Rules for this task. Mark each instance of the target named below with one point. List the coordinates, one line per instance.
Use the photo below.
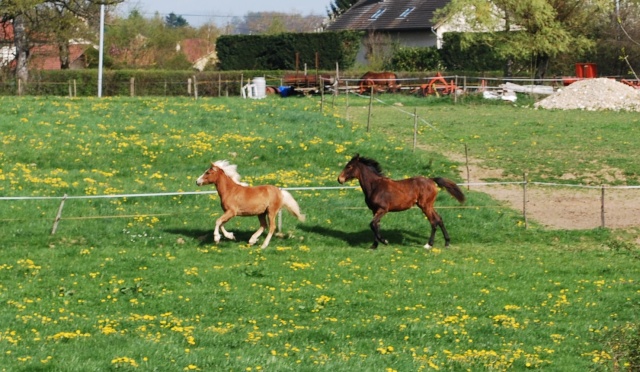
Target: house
(405, 22)
(41, 56)
(7, 49)
(47, 56)
(199, 52)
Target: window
(378, 13)
(406, 12)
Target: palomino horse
(238, 199)
(380, 81)
(383, 195)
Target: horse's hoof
(427, 246)
(385, 242)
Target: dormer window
(406, 12)
(378, 13)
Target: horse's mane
(230, 170)
(372, 164)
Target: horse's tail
(451, 187)
(290, 204)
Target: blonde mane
(230, 170)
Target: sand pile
(593, 95)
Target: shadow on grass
(206, 236)
(365, 237)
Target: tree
(175, 21)
(276, 22)
(535, 30)
(338, 7)
(44, 19)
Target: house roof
(6, 32)
(195, 49)
(388, 15)
(47, 57)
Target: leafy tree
(138, 42)
(43, 19)
(338, 7)
(175, 21)
(547, 28)
(275, 22)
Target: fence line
(523, 183)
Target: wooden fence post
(132, 87)
(195, 87)
(189, 86)
(524, 200)
(58, 215)
(346, 92)
(370, 108)
(466, 163)
(602, 207)
(415, 128)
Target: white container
(260, 86)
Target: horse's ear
(356, 156)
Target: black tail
(451, 187)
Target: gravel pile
(594, 95)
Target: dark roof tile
(360, 15)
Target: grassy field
(136, 283)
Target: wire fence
(225, 85)
(590, 207)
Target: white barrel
(260, 87)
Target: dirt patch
(559, 207)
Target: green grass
(549, 145)
(137, 283)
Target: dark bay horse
(239, 199)
(380, 81)
(384, 195)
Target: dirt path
(560, 208)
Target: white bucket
(260, 88)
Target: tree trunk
(542, 63)
(508, 72)
(22, 52)
(63, 48)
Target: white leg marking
(427, 246)
(255, 236)
(227, 234)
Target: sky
(198, 12)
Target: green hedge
(278, 52)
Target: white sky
(198, 12)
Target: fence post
(132, 87)
(524, 200)
(370, 108)
(195, 87)
(189, 86)
(75, 88)
(58, 215)
(466, 163)
(455, 91)
(70, 91)
(219, 85)
(346, 93)
(415, 128)
(602, 207)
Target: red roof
(195, 49)
(47, 57)
(6, 32)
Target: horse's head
(209, 176)
(350, 171)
